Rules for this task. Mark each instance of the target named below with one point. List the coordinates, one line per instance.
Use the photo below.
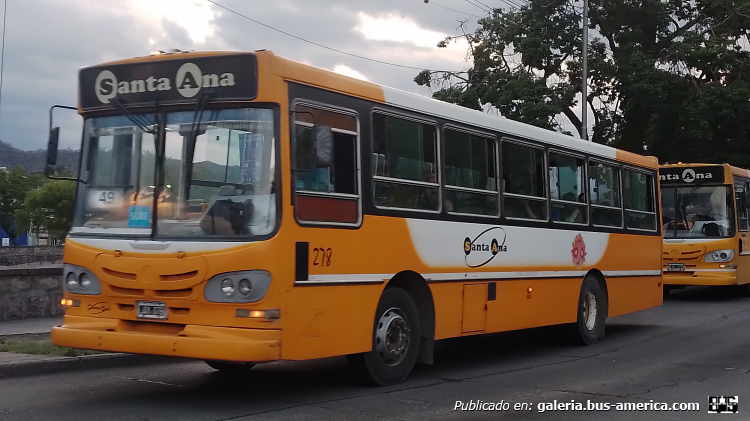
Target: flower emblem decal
(579, 251)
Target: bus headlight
(227, 287)
(719, 256)
(71, 279)
(247, 286)
(79, 280)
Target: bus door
(743, 259)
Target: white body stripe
(479, 119)
(472, 276)
(441, 244)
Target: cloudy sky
(47, 41)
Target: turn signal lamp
(66, 302)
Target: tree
(50, 207)
(668, 77)
(14, 185)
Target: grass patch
(41, 347)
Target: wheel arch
(596, 273)
(416, 286)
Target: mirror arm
(66, 107)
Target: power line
(488, 7)
(477, 6)
(453, 10)
(2, 51)
(321, 45)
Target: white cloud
(195, 16)
(345, 70)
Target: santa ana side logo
(484, 247)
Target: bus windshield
(217, 175)
(697, 212)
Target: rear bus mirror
(313, 148)
(323, 145)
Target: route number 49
(107, 197)
(322, 257)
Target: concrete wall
(21, 255)
(28, 292)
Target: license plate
(675, 266)
(152, 310)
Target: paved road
(696, 345)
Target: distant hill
(33, 161)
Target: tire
(229, 366)
(743, 290)
(666, 289)
(395, 341)
(592, 313)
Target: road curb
(85, 362)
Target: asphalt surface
(696, 345)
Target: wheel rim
(589, 311)
(392, 336)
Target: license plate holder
(153, 310)
(675, 266)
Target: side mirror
(52, 144)
(54, 138)
(323, 145)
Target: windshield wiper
(192, 136)
(139, 121)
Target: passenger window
(327, 194)
(470, 180)
(404, 164)
(638, 198)
(567, 186)
(524, 195)
(604, 187)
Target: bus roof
(307, 74)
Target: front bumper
(189, 341)
(709, 277)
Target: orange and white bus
(241, 208)
(704, 217)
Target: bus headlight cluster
(79, 280)
(719, 256)
(238, 287)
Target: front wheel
(743, 290)
(395, 340)
(592, 313)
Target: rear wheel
(592, 313)
(230, 366)
(395, 340)
(666, 289)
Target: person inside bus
(516, 207)
(226, 217)
(430, 197)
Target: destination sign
(692, 175)
(180, 80)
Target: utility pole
(585, 72)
